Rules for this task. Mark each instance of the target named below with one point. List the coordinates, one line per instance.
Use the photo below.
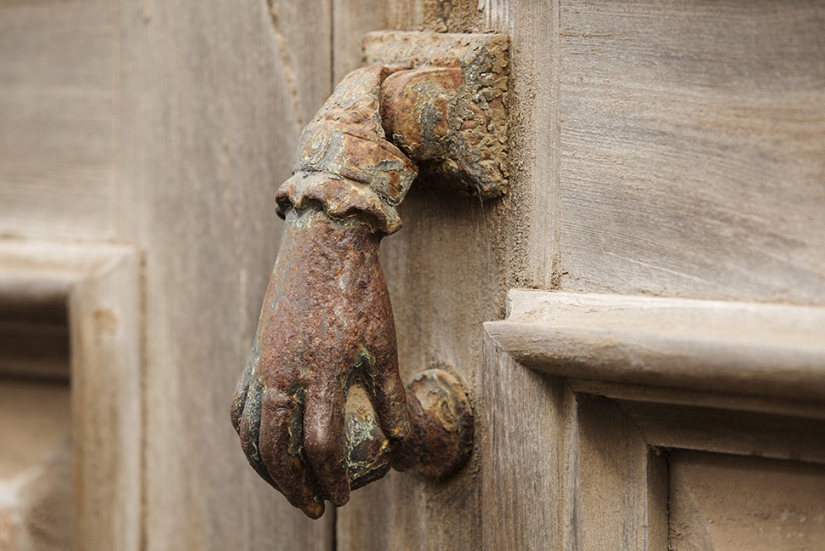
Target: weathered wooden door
(658, 149)
(669, 149)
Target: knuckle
(279, 402)
(321, 448)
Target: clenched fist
(326, 323)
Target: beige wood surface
(449, 268)
(798, 436)
(739, 347)
(58, 98)
(170, 126)
(527, 494)
(692, 152)
(620, 484)
(666, 148)
(87, 488)
(104, 323)
(754, 504)
(208, 110)
(450, 239)
(627, 481)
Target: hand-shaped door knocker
(321, 408)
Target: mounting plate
(476, 154)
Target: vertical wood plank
(209, 125)
(621, 486)
(104, 321)
(535, 127)
(522, 482)
(487, 249)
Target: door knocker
(321, 409)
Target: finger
(324, 440)
(249, 428)
(241, 391)
(281, 445)
(390, 400)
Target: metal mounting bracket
(450, 116)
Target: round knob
(442, 421)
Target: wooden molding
(769, 350)
(586, 399)
(101, 286)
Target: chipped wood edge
(101, 284)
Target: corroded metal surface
(345, 164)
(446, 420)
(367, 449)
(472, 156)
(320, 408)
(326, 324)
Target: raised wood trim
(772, 350)
(101, 285)
(585, 396)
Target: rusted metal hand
(326, 323)
(326, 326)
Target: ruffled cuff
(339, 197)
(344, 162)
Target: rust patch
(446, 419)
(472, 156)
(326, 323)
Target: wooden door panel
(70, 460)
(731, 503)
(648, 456)
(620, 499)
(692, 157)
(58, 102)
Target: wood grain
(693, 157)
(58, 147)
(758, 434)
(736, 347)
(523, 473)
(734, 503)
(106, 405)
(208, 112)
(448, 271)
(620, 484)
